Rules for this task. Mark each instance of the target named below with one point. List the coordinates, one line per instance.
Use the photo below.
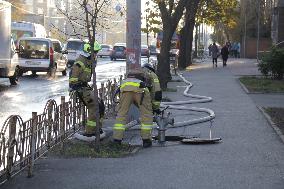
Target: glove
(157, 111)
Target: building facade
(277, 33)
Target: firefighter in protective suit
(79, 77)
(137, 89)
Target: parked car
(118, 51)
(153, 50)
(74, 48)
(105, 51)
(41, 55)
(145, 51)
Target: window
(34, 49)
(57, 47)
(74, 45)
(40, 10)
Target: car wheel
(34, 73)
(52, 71)
(14, 79)
(64, 72)
(20, 73)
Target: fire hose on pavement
(165, 122)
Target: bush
(272, 63)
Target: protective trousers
(88, 97)
(145, 107)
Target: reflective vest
(131, 84)
(82, 73)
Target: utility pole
(133, 35)
(258, 23)
(147, 28)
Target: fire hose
(165, 122)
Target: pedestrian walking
(225, 54)
(141, 88)
(215, 54)
(80, 75)
(209, 49)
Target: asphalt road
(32, 92)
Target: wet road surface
(32, 92)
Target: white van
(8, 57)
(41, 55)
(74, 48)
(27, 29)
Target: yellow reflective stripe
(88, 70)
(130, 83)
(119, 128)
(80, 63)
(156, 81)
(73, 79)
(156, 102)
(91, 123)
(146, 126)
(118, 125)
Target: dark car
(153, 50)
(145, 51)
(118, 52)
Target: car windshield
(16, 34)
(144, 47)
(117, 48)
(34, 49)
(75, 45)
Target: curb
(243, 86)
(271, 123)
(248, 92)
(136, 150)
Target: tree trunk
(186, 36)
(185, 55)
(170, 19)
(189, 42)
(195, 41)
(163, 70)
(182, 49)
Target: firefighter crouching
(137, 89)
(79, 77)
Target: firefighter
(154, 88)
(137, 89)
(79, 77)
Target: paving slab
(250, 155)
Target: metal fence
(23, 142)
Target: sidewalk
(250, 156)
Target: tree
(85, 19)
(17, 10)
(186, 35)
(223, 15)
(168, 13)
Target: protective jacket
(134, 91)
(80, 74)
(154, 88)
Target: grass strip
(266, 85)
